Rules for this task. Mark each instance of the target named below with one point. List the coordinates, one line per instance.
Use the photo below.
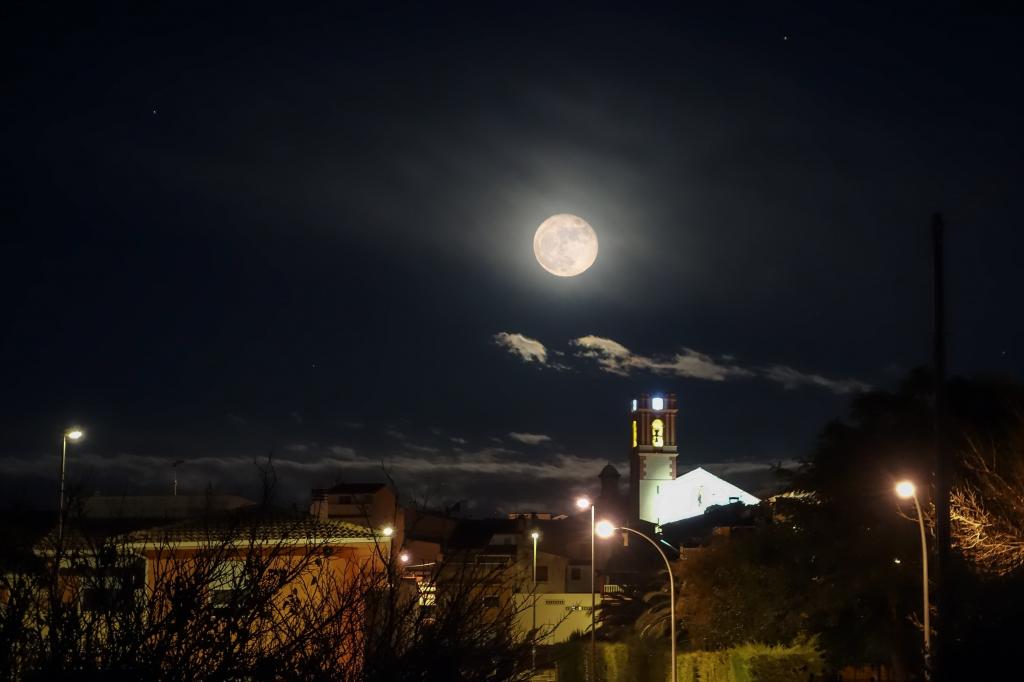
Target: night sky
(230, 232)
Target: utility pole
(943, 463)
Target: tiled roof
(242, 527)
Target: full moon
(565, 245)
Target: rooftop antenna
(174, 467)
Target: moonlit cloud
(530, 438)
(686, 363)
(529, 350)
(615, 358)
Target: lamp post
(74, 435)
(583, 503)
(389, 533)
(535, 535)
(533, 650)
(907, 490)
(605, 529)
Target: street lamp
(534, 535)
(907, 490)
(388, 532)
(605, 529)
(74, 435)
(583, 503)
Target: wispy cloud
(792, 378)
(687, 363)
(530, 438)
(528, 350)
(615, 358)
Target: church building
(657, 493)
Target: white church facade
(657, 493)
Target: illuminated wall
(692, 493)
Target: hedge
(645, 660)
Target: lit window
(657, 433)
(428, 594)
(634, 433)
(634, 404)
(657, 403)
(228, 581)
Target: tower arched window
(634, 433)
(657, 433)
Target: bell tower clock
(652, 462)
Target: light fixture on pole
(388, 532)
(583, 503)
(605, 529)
(534, 535)
(907, 490)
(74, 435)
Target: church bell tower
(652, 462)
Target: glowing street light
(907, 490)
(581, 504)
(74, 435)
(404, 557)
(387, 531)
(534, 535)
(605, 529)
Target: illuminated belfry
(652, 463)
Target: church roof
(609, 472)
(694, 492)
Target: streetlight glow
(604, 529)
(388, 531)
(404, 557)
(535, 535)
(905, 489)
(73, 434)
(582, 502)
